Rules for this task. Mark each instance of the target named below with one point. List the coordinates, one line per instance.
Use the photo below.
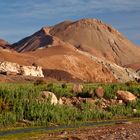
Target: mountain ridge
(86, 50)
(90, 35)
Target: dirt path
(129, 131)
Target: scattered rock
(134, 110)
(90, 93)
(120, 101)
(47, 95)
(115, 98)
(66, 101)
(27, 122)
(126, 96)
(90, 100)
(99, 92)
(77, 88)
(60, 101)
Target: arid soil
(130, 131)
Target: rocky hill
(90, 35)
(86, 50)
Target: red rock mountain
(90, 35)
(77, 51)
(62, 62)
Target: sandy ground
(130, 131)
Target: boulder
(60, 102)
(120, 101)
(134, 110)
(90, 100)
(49, 95)
(99, 92)
(126, 96)
(77, 88)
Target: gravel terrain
(129, 131)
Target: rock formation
(126, 96)
(10, 68)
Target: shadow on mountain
(60, 75)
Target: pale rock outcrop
(60, 101)
(49, 95)
(9, 67)
(31, 71)
(16, 69)
(126, 96)
(121, 74)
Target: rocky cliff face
(121, 74)
(9, 68)
(31, 71)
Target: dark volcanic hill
(90, 35)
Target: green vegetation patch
(20, 104)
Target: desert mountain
(99, 39)
(84, 50)
(90, 35)
(62, 62)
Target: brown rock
(99, 92)
(77, 88)
(126, 96)
(134, 110)
(90, 93)
(60, 101)
(120, 101)
(90, 100)
(66, 101)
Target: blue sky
(20, 18)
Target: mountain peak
(90, 35)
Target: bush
(39, 82)
(50, 87)
(131, 83)
(64, 85)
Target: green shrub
(39, 82)
(50, 87)
(64, 85)
(131, 83)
